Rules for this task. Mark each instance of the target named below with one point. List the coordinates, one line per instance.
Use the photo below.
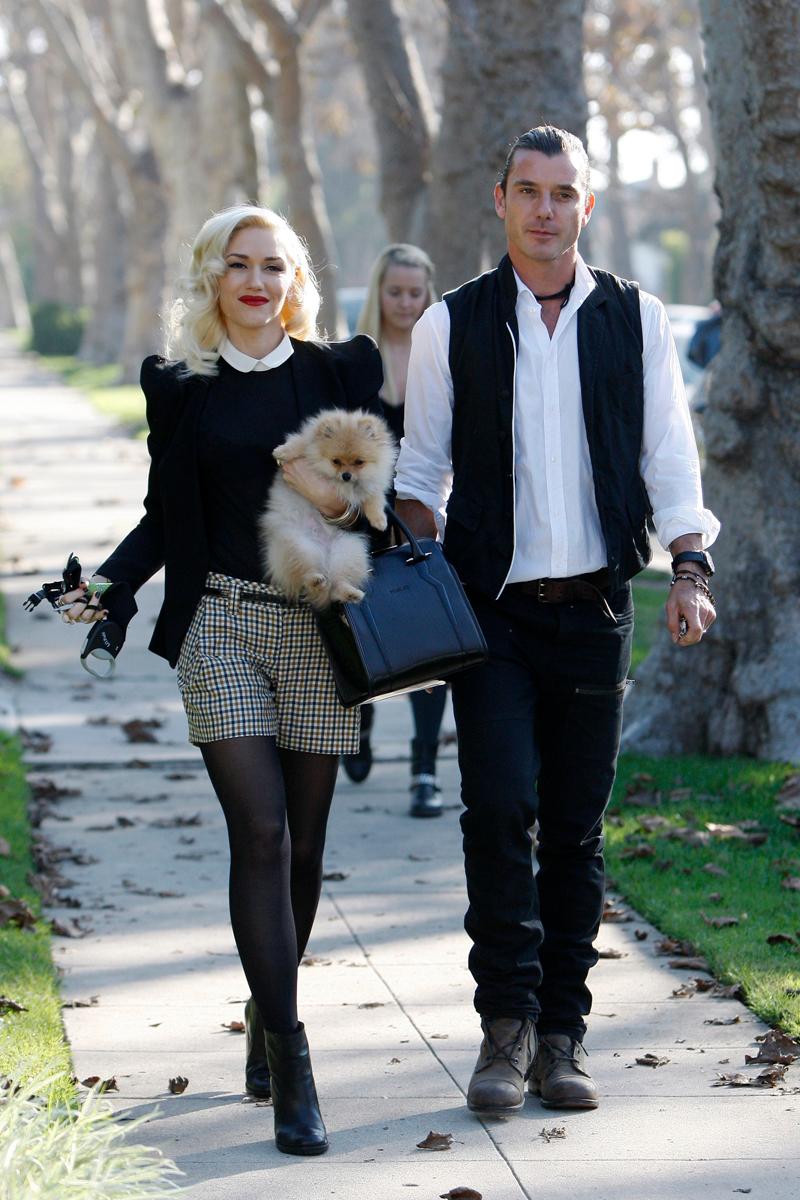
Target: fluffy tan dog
(304, 553)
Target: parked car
(351, 301)
(683, 320)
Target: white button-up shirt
(243, 362)
(558, 531)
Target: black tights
(276, 804)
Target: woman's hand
(78, 606)
(306, 482)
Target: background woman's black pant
(538, 735)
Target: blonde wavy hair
(399, 254)
(195, 329)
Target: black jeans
(538, 734)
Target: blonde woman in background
(245, 369)
(400, 289)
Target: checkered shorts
(250, 668)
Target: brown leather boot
(506, 1054)
(559, 1074)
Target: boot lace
(510, 1051)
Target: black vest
(484, 338)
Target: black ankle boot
(299, 1128)
(425, 798)
(358, 766)
(256, 1067)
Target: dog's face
(352, 449)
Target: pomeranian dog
(304, 554)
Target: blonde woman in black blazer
(244, 369)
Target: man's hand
(688, 608)
(306, 482)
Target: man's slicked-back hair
(549, 140)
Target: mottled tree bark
(401, 112)
(739, 691)
(508, 67)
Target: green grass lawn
(649, 597)
(31, 1042)
(99, 384)
(666, 877)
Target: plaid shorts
(250, 668)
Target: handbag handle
(417, 553)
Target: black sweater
(172, 533)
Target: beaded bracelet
(698, 586)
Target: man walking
(545, 406)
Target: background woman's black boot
(299, 1128)
(256, 1067)
(426, 800)
(358, 766)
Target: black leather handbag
(413, 629)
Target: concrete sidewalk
(384, 992)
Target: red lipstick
(254, 301)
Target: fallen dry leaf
(43, 788)
(105, 1085)
(8, 1005)
(688, 964)
(372, 1004)
(176, 776)
(713, 869)
(16, 912)
(5, 848)
(638, 850)
(722, 1020)
(90, 1003)
(141, 731)
(68, 929)
(789, 795)
(640, 935)
(178, 1085)
(791, 883)
(768, 1078)
(461, 1193)
(776, 1047)
(393, 1061)
(652, 824)
(668, 945)
(719, 922)
(557, 1131)
(335, 876)
(779, 939)
(619, 915)
(35, 741)
(440, 1036)
(234, 1026)
(684, 991)
(178, 822)
(311, 960)
(436, 1141)
(651, 1060)
(610, 952)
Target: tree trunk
(739, 691)
(105, 328)
(508, 67)
(401, 110)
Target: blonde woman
(245, 369)
(400, 289)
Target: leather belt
(567, 591)
(249, 597)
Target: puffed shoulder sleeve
(141, 553)
(361, 372)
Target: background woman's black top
(173, 533)
(246, 415)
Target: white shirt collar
(584, 284)
(243, 362)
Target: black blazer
(171, 533)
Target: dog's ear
(369, 427)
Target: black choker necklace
(563, 295)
